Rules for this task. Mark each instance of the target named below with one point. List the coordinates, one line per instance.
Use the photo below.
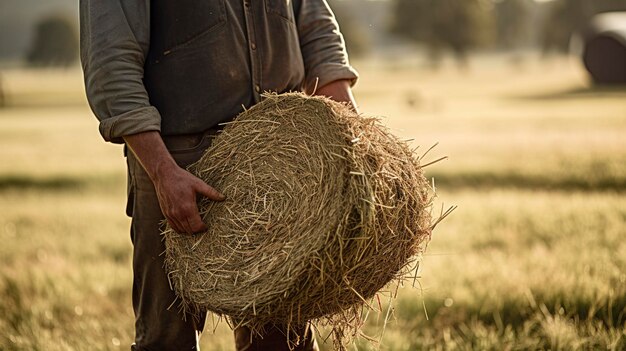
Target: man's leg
(275, 338)
(159, 326)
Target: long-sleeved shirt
(184, 66)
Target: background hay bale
(323, 209)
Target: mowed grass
(520, 270)
(533, 258)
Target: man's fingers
(206, 190)
(196, 224)
(177, 219)
(177, 197)
(175, 224)
(193, 219)
(186, 219)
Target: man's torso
(210, 59)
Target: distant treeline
(461, 26)
(55, 43)
(455, 26)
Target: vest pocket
(182, 21)
(281, 8)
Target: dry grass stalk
(324, 208)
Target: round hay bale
(604, 53)
(324, 208)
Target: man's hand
(338, 90)
(175, 187)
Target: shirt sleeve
(114, 41)
(322, 45)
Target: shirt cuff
(329, 72)
(143, 119)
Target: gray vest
(209, 59)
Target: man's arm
(175, 187)
(339, 90)
(327, 70)
(114, 38)
(114, 41)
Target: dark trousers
(159, 326)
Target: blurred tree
(2, 99)
(445, 24)
(512, 22)
(567, 17)
(55, 43)
(357, 41)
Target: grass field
(534, 258)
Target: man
(160, 76)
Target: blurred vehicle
(604, 51)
